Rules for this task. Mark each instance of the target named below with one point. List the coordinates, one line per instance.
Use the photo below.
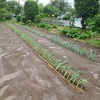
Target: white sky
(47, 1)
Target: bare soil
(25, 76)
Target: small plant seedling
(59, 65)
(82, 82)
(67, 70)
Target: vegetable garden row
(61, 66)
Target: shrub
(64, 31)
(23, 19)
(95, 43)
(37, 19)
(54, 26)
(67, 17)
(94, 23)
(42, 25)
(8, 16)
(28, 22)
(18, 18)
(73, 33)
(47, 26)
(88, 34)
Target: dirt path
(91, 70)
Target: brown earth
(25, 76)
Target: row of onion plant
(59, 65)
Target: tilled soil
(25, 76)
(90, 68)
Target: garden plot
(86, 65)
(25, 75)
(80, 48)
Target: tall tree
(2, 9)
(51, 10)
(85, 9)
(17, 10)
(11, 5)
(62, 5)
(30, 10)
(2, 3)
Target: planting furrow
(26, 76)
(72, 59)
(75, 47)
(89, 69)
(51, 58)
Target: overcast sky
(47, 1)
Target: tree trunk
(82, 22)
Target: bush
(67, 17)
(37, 19)
(28, 22)
(54, 26)
(8, 16)
(2, 14)
(73, 33)
(95, 43)
(64, 31)
(41, 25)
(88, 34)
(18, 18)
(23, 19)
(94, 23)
(97, 20)
(47, 26)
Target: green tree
(30, 10)
(2, 9)
(2, 13)
(85, 9)
(51, 10)
(40, 6)
(11, 5)
(2, 1)
(17, 10)
(62, 5)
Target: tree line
(32, 10)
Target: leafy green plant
(73, 32)
(18, 18)
(54, 26)
(41, 25)
(60, 65)
(82, 83)
(64, 31)
(47, 26)
(50, 55)
(75, 76)
(88, 34)
(37, 19)
(23, 19)
(67, 70)
(95, 43)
